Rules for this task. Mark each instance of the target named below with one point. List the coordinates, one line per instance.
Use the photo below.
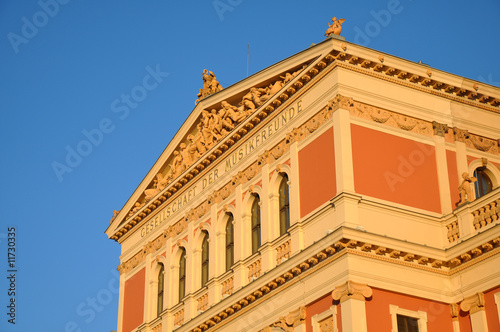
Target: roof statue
(335, 27)
(210, 85)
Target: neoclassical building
(341, 189)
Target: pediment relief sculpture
(210, 85)
(212, 126)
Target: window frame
(480, 173)
(229, 252)
(284, 204)
(420, 315)
(256, 227)
(205, 259)
(182, 275)
(160, 291)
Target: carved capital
(352, 290)
(473, 303)
(440, 129)
(340, 102)
(461, 135)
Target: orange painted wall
(133, 301)
(451, 160)
(491, 309)
(319, 306)
(378, 316)
(464, 322)
(317, 173)
(395, 169)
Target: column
(352, 297)
(475, 306)
(297, 234)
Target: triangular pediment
(221, 119)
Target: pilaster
(343, 150)
(352, 297)
(475, 306)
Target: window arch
(161, 288)
(483, 185)
(204, 260)
(284, 205)
(182, 275)
(229, 242)
(256, 224)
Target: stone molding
(288, 323)
(352, 290)
(473, 304)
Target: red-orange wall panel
(378, 317)
(317, 173)
(317, 307)
(133, 301)
(491, 309)
(395, 169)
(451, 160)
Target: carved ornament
(465, 188)
(352, 290)
(289, 322)
(210, 85)
(335, 28)
(440, 129)
(473, 303)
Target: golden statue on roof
(210, 85)
(335, 27)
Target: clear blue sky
(64, 70)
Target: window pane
(229, 243)
(255, 224)
(160, 290)
(204, 260)
(407, 324)
(182, 275)
(284, 205)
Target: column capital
(352, 290)
(473, 303)
(440, 129)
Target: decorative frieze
(352, 290)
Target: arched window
(204, 260)
(255, 224)
(229, 242)
(182, 275)
(284, 193)
(483, 185)
(161, 288)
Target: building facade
(341, 189)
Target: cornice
(320, 259)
